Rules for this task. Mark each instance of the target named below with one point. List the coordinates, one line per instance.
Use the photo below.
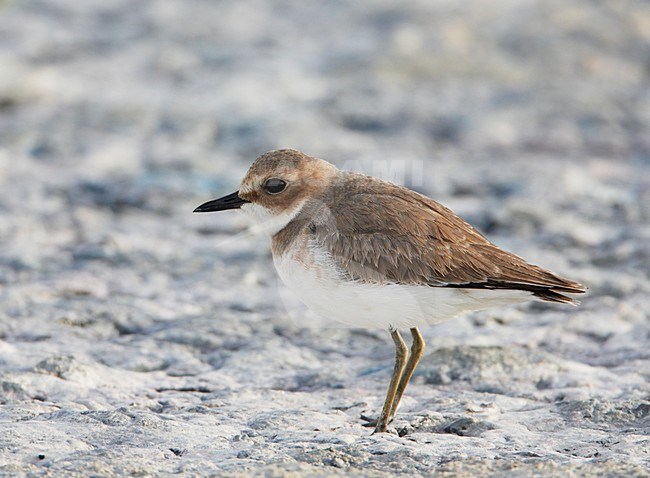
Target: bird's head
(276, 187)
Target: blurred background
(529, 118)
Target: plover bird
(369, 253)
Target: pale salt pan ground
(139, 339)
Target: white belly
(356, 304)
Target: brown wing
(393, 234)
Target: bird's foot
(377, 423)
(369, 421)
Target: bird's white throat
(264, 220)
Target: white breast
(317, 283)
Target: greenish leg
(400, 362)
(417, 349)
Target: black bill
(231, 201)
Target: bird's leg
(417, 349)
(400, 361)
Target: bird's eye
(274, 185)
